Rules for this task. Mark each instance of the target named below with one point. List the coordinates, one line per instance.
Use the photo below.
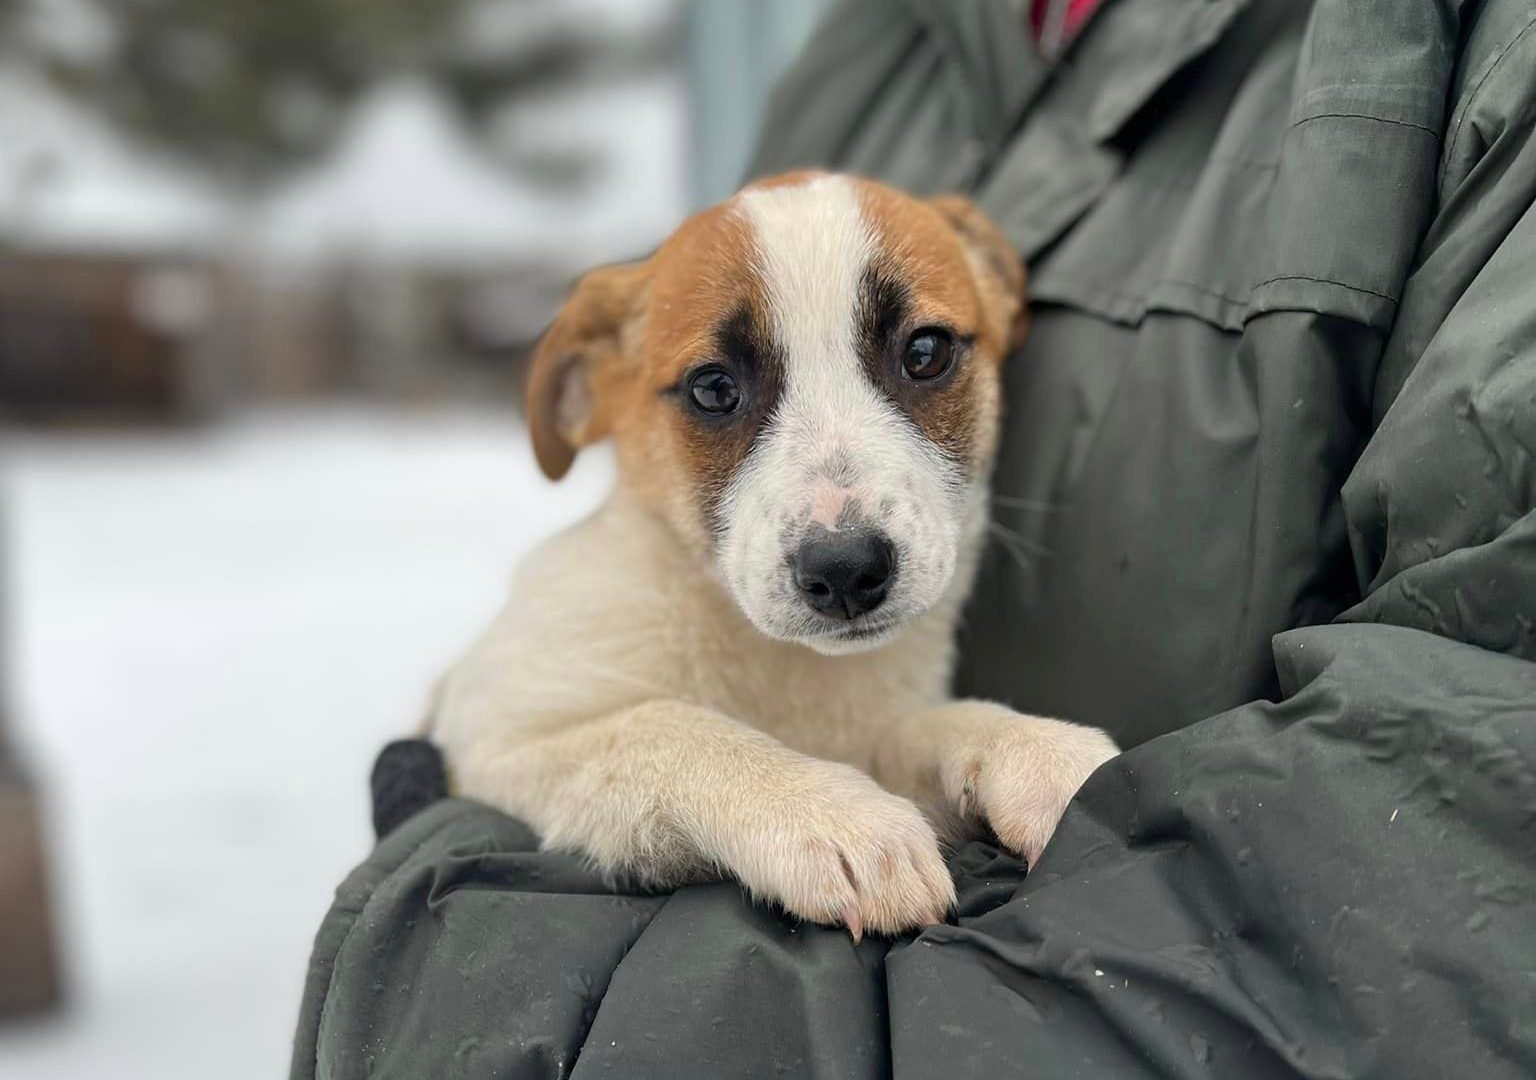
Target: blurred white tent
(409, 193)
(405, 184)
(69, 182)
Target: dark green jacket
(1268, 513)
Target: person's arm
(1342, 883)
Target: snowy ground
(211, 633)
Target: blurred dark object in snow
(29, 963)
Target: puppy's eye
(929, 354)
(714, 391)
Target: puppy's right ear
(581, 353)
(995, 264)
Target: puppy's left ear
(995, 264)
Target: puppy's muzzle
(843, 574)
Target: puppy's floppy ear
(995, 263)
(577, 356)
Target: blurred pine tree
(250, 88)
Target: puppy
(739, 665)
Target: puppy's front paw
(1019, 776)
(840, 849)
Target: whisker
(1020, 559)
(1034, 547)
(1021, 550)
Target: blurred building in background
(30, 973)
(208, 202)
(109, 262)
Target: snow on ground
(211, 634)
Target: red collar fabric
(1076, 15)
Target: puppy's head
(803, 381)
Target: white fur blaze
(833, 438)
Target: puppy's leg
(667, 791)
(984, 763)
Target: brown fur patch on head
(944, 409)
(999, 272)
(704, 299)
(618, 358)
(715, 448)
(940, 264)
(614, 361)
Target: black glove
(408, 776)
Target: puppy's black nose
(844, 574)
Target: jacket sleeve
(1342, 883)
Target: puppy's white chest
(811, 702)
